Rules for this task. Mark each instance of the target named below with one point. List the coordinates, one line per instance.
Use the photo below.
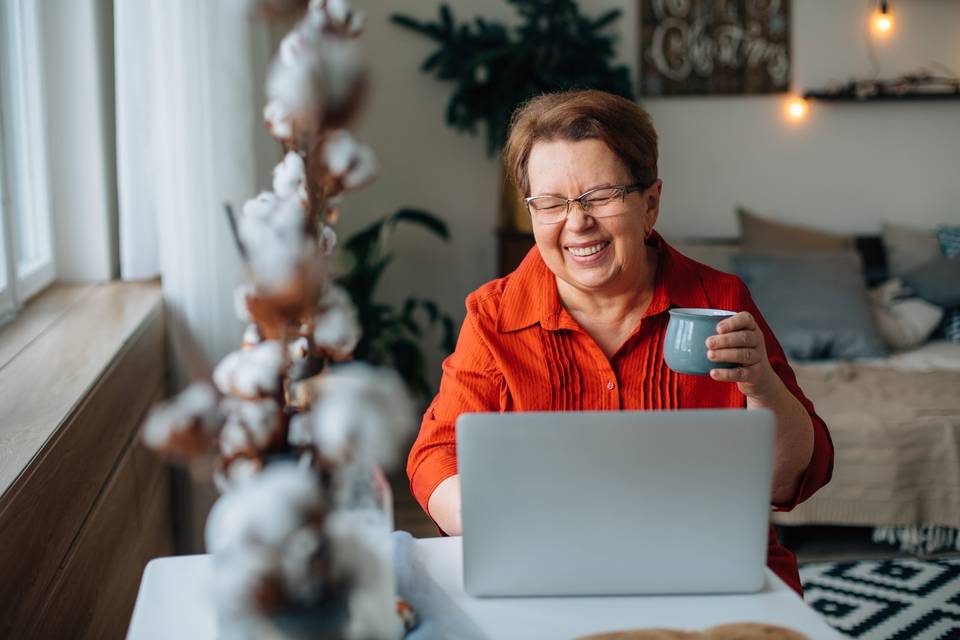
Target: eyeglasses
(596, 203)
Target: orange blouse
(520, 350)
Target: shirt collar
(530, 295)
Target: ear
(651, 198)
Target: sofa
(891, 400)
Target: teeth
(581, 252)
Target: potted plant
(495, 68)
(391, 336)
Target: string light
(797, 108)
(883, 19)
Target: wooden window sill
(82, 506)
(55, 352)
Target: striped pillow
(949, 238)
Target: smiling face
(594, 255)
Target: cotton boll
(289, 175)
(250, 373)
(295, 47)
(266, 511)
(250, 425)
(364, 414)
(364, 169)
(236, 472)
(278, 119)
(185, 425)
(298, 88)
(339, 151)
(336, 328)
(348, 161)
(261, 206)
(338, 16)
(298, 349)
(276, 241)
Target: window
(26, 246)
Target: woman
(580, 324)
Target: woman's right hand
(444, 506)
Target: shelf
(880, 97)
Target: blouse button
(610, 386)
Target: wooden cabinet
(92, 506)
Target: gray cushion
(816, 303)
(908, 247)
(938, 281)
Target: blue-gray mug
(685, 347)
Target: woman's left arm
(741, 339)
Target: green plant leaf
(422, 218)
(606, 19)
(425, 28)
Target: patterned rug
(887, 599)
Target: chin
(588, 278)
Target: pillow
(949, 238)
(937, 281)
(760, 234)
(715, 255)
(903, 322)
(908, 247)
(816, 304)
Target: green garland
(496, 68)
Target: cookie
(751, 631)
(644, 634)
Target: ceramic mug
(685, 346)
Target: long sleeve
(470, 383)
(820, 469)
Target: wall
(847, 167)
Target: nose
(577, 218)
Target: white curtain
(188, 113)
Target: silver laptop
(615, 503)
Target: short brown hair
(619, 123)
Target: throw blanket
(897, 438)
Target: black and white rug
(887, 599)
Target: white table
(173, 603)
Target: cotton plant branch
(298, 442)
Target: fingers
(739, 322)
(736, 339)
(737, 374)
(746, 356)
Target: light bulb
(882, 22)
(797, 108)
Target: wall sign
(697, 47)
